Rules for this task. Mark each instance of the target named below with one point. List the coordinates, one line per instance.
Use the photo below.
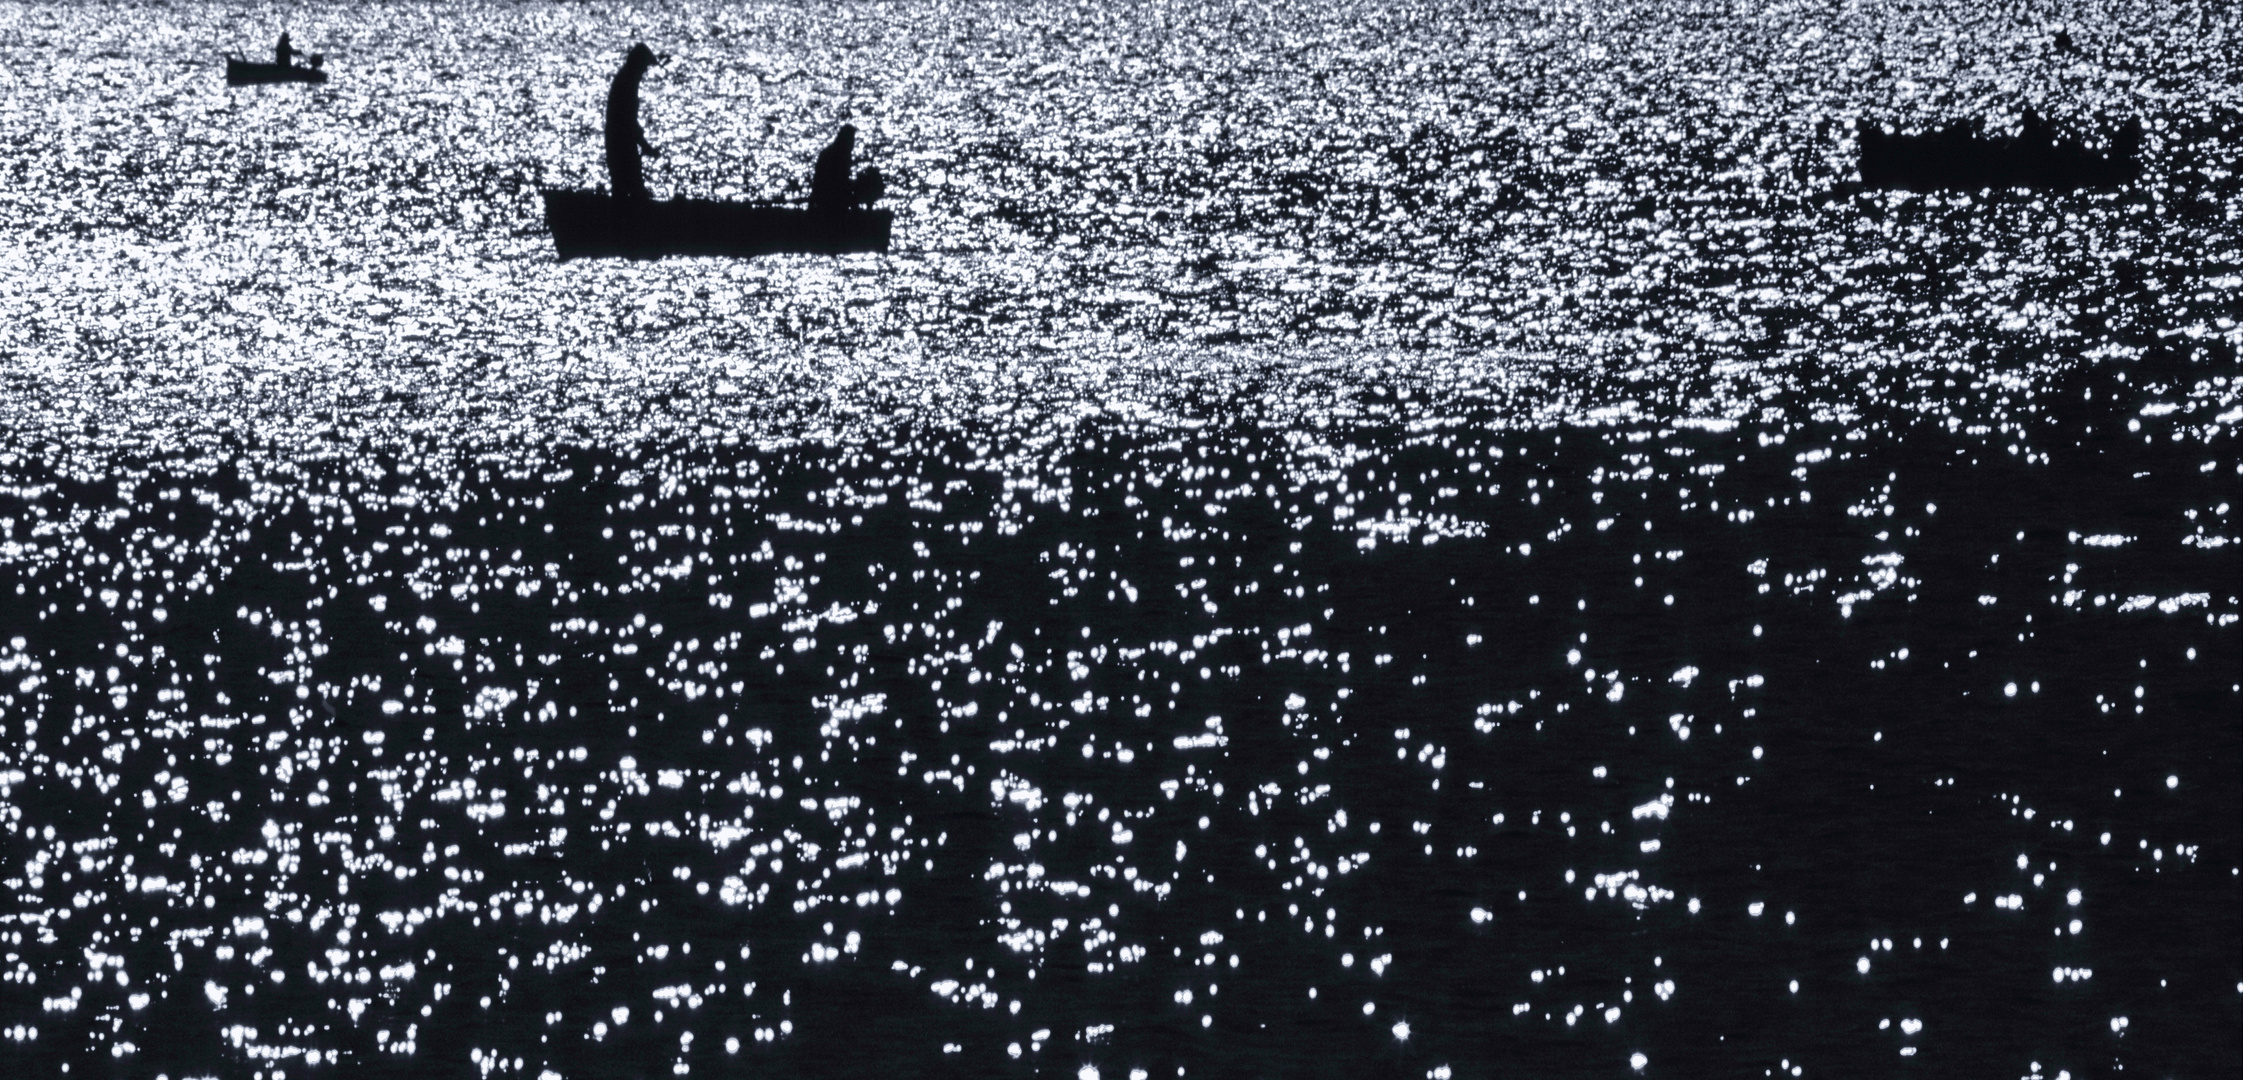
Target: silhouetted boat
(593, 224)
(1959, 158)
(241, 72)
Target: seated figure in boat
(830, 185)
(869, 186)
(2034, 131)
(2126, 145)
(626, 140)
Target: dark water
(1439, 541)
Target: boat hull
(244, 73)
(592, 224)
(1956, 161)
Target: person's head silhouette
(640, 57)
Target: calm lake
(1442, 540)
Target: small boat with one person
(283, 69)
(1962, 157)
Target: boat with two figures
(595, 224)
(1961, 157)
(627, 221)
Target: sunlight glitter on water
(1066, 771)
(999, 644)
(1087, 210)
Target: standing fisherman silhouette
(283, 53)
(830, 185)
(625, 139)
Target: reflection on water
(1334, 542)
(1084, 194)
(1468, 746)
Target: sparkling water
(1434, 540)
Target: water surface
(1446, 541)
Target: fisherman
(868, 188)
(830, 185)
(2034, 131)
(283, 53)
(625, 139)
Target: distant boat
(1959, 158)
(594, 224)
(240, 72)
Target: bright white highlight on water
(375, 447)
